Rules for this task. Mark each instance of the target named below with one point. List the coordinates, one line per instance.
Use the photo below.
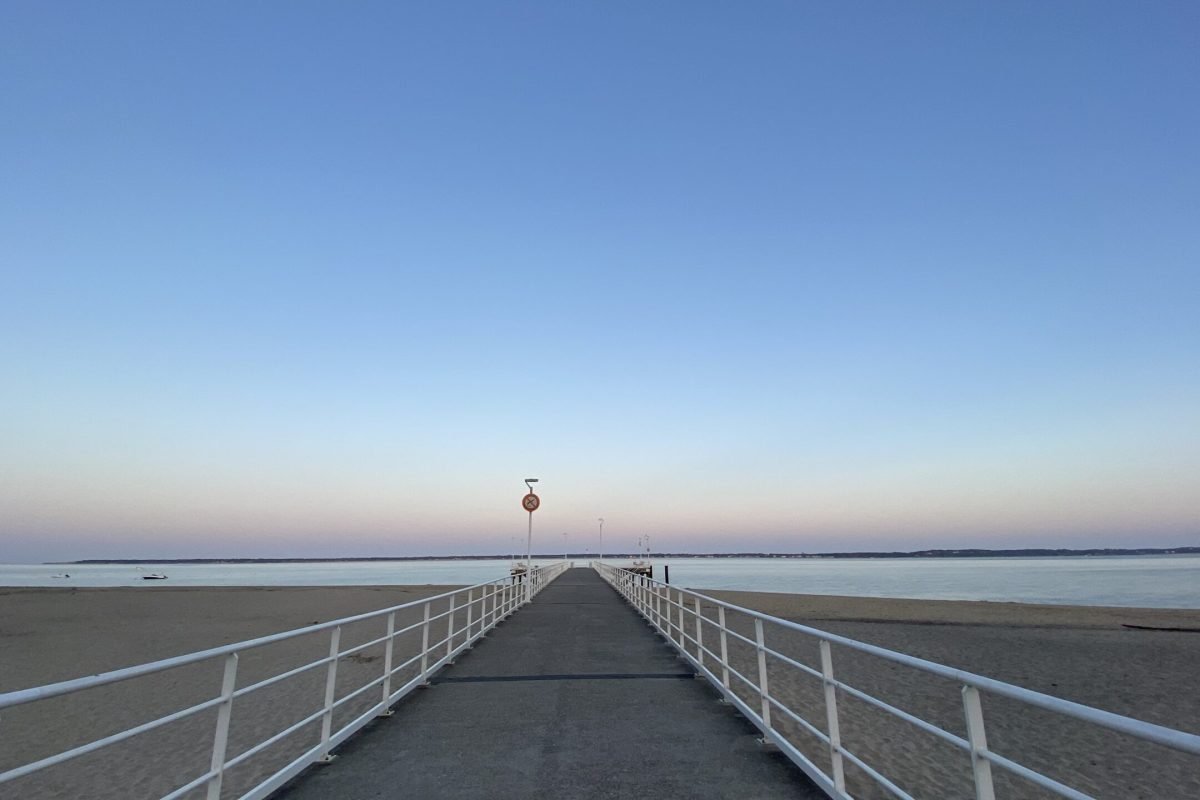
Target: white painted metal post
(831, 718)
(388, 647)
(699, 633)
(724, 647)
(763, 692)
(221, 735)
(450, 629)
(425, 647)
(682, 637)
(980, 766)
(679, 625)
(335, 642)
(470, 613)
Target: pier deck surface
(574, 696)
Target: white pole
(529, 482)
(529, 560)
(601, 540)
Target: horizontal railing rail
(475, 609)
(677, 615)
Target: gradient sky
(306, 279)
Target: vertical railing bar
(980, 766)
(763, 692)
(682, 609)
(699, 632)
(221, 734)
(335, 640)
(831, 718)
(470, 613)
(425, 647)
(450, 629)
(724, 648)
(385, 710)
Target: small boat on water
(61, 575)
(154, 576)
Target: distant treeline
(969, 553)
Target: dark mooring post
(666, 574)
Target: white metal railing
(673, 612)
(477, 609)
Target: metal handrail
(483, 606)
(665, 607)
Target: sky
(331, 279)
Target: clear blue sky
(295, 279)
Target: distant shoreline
(961, 553)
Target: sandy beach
(1090, 655)
(49, 635)
(1141, 663)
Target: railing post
(699, 633)
(724, 648)
(470, 613)
(682, 637)
(425, 647)
(671, 622)
(450, 630)
(221, 735)
(387, 666)
(484, 624)
(980, 766)
(763, 692)
(335, 642)
(831, 718)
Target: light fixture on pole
(601, 539)
(564, 545)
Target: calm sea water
(1144, 581)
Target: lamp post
(601, 539)
(530, 503)
(564, 546)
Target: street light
(564, 545)
(601, 540)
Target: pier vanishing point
(575, 696)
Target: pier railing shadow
(347, 673)
(847, 731)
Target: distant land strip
(970, 553)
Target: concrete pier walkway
(573, 697)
